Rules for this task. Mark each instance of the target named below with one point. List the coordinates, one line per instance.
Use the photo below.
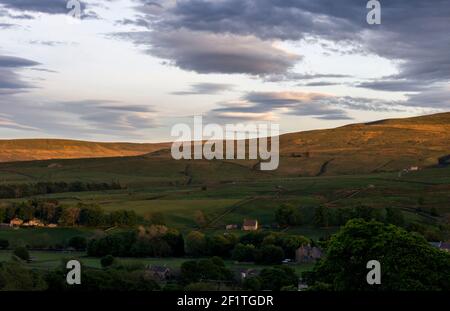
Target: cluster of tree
(50, 211)
(195, 275)
(152, 241)
(288, 215)
(321, 216)
(274, 278)
(259, 247)
(407, 260)
(40, 188)
(211, 269)
(114, 277)
(324, 217)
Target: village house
(16, 222)
(306, 253)
(231, 227)
(247, 273)
(158, 273)
(250, 225)
(33, 223)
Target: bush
(277, 278)
(107, 261)
(244, 252)
(22, 253)
(252, 283)
(288, 215)
(196, 243)
(78, 242)
(4, 244)
(269, 255)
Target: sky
(128, 70)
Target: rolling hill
(386, 145)
(44, 149)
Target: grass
(42, 237)
(159, 185)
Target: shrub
(22, 253)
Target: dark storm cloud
(205, 89)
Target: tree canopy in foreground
(407, 260)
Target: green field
(226, 193)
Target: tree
(69, 216)
(22, 253)
(14, 276)
(107, 261)
(90, 215)
(278, 277)
(4, 244)
(244, 252)
(287, 215)
(407, 261)
(77, 242)
(200, 219)
(211, 269)
(394, 216)
(269, 255)
(221, 244)
(157, 218)
(252, 283)
(321, 216)
(196, 243)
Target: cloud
(212, 53)
(15, 62)
(264, 105)
(41, 6)
(205, 89)
(413, 34)
(10, 81)
(319, 83)
(75, 118)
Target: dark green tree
(22, 253)
(287, 215)
(4, 244)
(407, 261)
(269, 255)
(394, 216)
